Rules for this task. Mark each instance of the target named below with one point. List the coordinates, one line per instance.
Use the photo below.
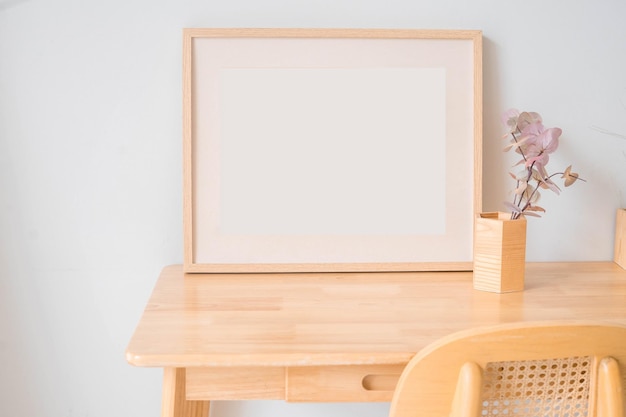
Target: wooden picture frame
(330, 150)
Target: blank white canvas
(332, 151)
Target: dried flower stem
(534, 142)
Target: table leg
(174, 403)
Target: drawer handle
(385, 382)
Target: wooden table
(335, 337)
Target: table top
(310, 319)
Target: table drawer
(358, 383)
(236, 383)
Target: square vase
(619, 256)
(499, 252)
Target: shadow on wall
(495, 184)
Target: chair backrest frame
(428, 383)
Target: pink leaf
(512, 207)
(531, 214)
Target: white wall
(90, 166)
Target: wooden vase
(619, 256)
(499, 252)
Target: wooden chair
(548, 369)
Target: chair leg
(466, 402)
(609, 401)
(174, 403)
